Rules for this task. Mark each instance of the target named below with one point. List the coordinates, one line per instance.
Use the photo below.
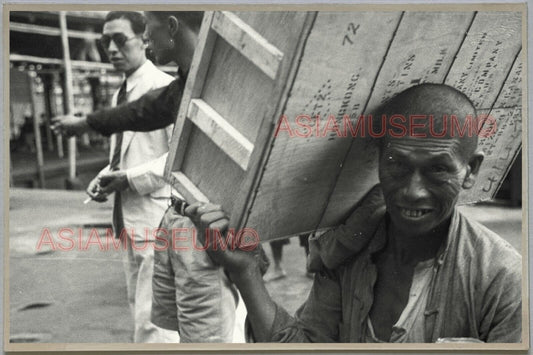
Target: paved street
(80, 295)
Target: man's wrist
(93, 121)
(80, 125)
(124, 183)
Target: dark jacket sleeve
(154, 110)
(502, 300)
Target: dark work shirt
(476, 293)
(154, 110)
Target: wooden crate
(252, 68)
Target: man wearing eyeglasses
(137, 161)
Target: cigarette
(87, 200)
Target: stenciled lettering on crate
(334, 77)
(502, 141)
(422, 50)
(335, 67)
(488, 70)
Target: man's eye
(438, 169)
(394, 162)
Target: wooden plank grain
(297, 33)
(500, 138)
(333, 78)
(511, 93)
(500, 149)
(235, 87)
(248, 42)
(224, 135)
(486, 56)
(193, 88)
(488, 69)
(213, 172)
(246, 98)
(422, 50)
(349, 64)
(187, 189)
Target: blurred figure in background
(133, 174)
(27, 136)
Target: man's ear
(472, 170)
(173, 25)
(145, 42)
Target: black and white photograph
(239, 177)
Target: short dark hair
(192, 19)
(136, 19)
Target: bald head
(431, 99)
(429, 158)
(433, 111)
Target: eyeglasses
(119, 39)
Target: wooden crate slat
(500, 150)
(211, 170)
(511, 94)
(331, 64)
(187, 189)
(241, 82)
(236, 88)
(502, 146)
(193, 88)
(486, 56)
(248, 42)
(223, 134)
(491, 54)
(297, 35)
(300, 171)
(422, 50)
(199, 158)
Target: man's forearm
(260, 306)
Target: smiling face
(421, 181)
(128, 56)
(422, 176)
